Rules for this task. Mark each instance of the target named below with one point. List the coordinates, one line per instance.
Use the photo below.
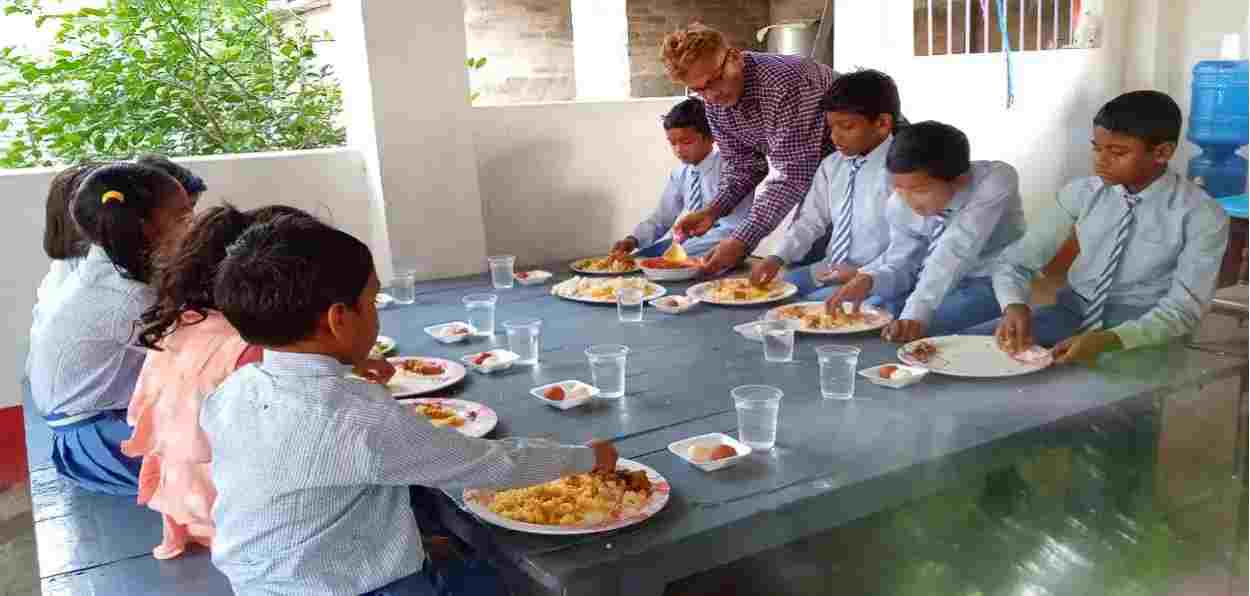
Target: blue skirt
(89, 453)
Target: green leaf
(11, 10)
(92, 12)
(4, 124)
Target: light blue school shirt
(679, 197)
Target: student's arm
(742, 169)
(895, 270)
(1048, 229)
(814, 217)
(672, 200)
(960, 245)
(1193, 282)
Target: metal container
(793, 37)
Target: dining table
(834, 462)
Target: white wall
(329, 183)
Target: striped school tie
(696, 191)
(841, 248)
(1098, 302)
(937, 231)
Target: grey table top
(834, 461)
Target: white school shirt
(1170, 263)
(58, 272)
(312, 472)
(676, 200)
(982, 219)
(870, 231)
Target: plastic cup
(404, 287)
(629, 304)
(837, 371)
(481, 313)
(501, 271)
(607, 369)
(778, 340)
(523, 339)
(757, 407)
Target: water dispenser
(1218, 125)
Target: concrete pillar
(406, 93)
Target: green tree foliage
(180, 77)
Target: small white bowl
(568, 386)
(751, 330)
(682, 274)
(684, 303)
(533, 278)
(505, 361)
(874, 376)
(383, 300)
(382, 347)
(682, 449)
(435, 332)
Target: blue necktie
(937, 231)
(840, 248)
(696, 191)
(1098, 302)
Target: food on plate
(702, 454)
(887, 371)
(603, 288)
(581, 499)
(439, 415)
(452, 331)
(523, 275)
(425, 368)
(485, 359)
(923, 351)
(740, 289)
(608, 264)
(380, 348)
(554, 393)
(815, 317)
(662, 263)
(723, 451)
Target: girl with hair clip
(83, 364)
(192, 350)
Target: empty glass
(404, 287)
(481, 313)
(778, 340)
(607, 369)
(757, 407)
(629, 304)
(501, 274)
(523, 339)
(837, 371)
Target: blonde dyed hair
(682, 48)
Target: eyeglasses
(720, 74)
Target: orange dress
(165, 414)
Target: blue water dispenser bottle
(1218, 119)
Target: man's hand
(626, 246)
(1015, 331)
(854, 291)
(696, 223)
(605, 456)
(725, 256)
(836, 274)
(765, 272)
(376, 370)
(1086, 348)
(904, 330)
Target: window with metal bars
(971, 26)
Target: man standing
(758, 105)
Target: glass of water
(607, 369)
(837, 371)
(501, 275)
(404, 287)
(757, 407)
(778, 340)
(481, 309)
(523, 339)
(629, 304)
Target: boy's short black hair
(869, 93)
(1151, 116)
(279, 277)
(690, 113)
(193, 184)
(938, 149)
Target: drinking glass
(757, 407)
(481, 309)
(501, 274)
(778, 340)
(629, 304)
(404, 287)
(607, 369)
(523, 339)
(837, 371)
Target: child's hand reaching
(1015, 331)
(376, 370)
(904, 330)
(605, 456)
(625, 247)
(1086, 348)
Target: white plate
(383, 346)
(874, 376)
(479, 419)
(682, 449)
(874, 319)
(976, 356)
(751, 330)
(433, 330)
(700, 293)
(383, 300)
(505, 361)
(475, 501)
(564, 290)
(405, 384)
(568, 386)
(685, 303)
(577, 267)
(533, 278)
